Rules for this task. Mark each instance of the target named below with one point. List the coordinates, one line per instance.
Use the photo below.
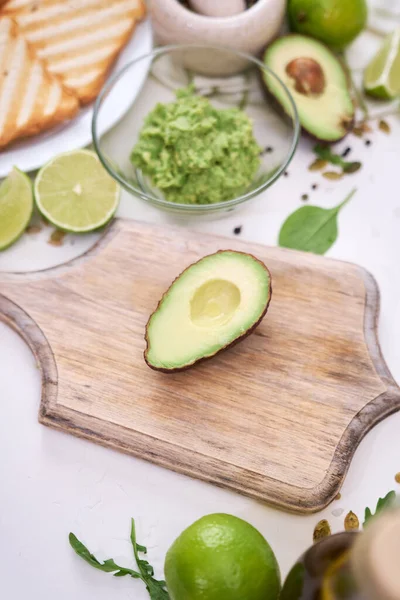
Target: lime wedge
(75, 193)
(16, 205)
(382, 76)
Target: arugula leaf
(383, 504)
(156, 588)
(108, 566)
(325, 153)
(311, 228)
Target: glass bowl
(175, 67)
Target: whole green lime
(334, 22)
(221, 557)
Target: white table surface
(52, 483)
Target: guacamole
(195, 153)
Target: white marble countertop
(52, 483)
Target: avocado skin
(223, 348)
(271, 96)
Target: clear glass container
(172, 68)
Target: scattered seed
(368, 142)
(314, 186)
(351, 522)
(33, 229)
(57, 238)
(304, 197)
(384, 126)
(397, 477)
(346, 152)
(322, 530)
(352, 167)
(266, 150)
(286, 174)
(338, 496)
(318, 165)
(237, 230)
(358, 131)
(338, 512)
(332, 175)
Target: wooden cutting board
(278, 417)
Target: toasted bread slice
(77, 39)
(31, 100)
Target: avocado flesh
(211, 305)
(328, 114)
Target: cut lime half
(75, 193)
(382, 76)
(16, 205)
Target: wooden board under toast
(277, 417)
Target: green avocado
(317, 82)
(213, 304)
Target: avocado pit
(308, 76)
(214, 303)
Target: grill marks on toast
(77, 39)
(31, 100)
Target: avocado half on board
(318, 83)
(213, 304)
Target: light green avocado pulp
(195, 153)
(213, 303)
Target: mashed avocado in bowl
(195, 153)
(191, 143)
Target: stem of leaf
(345, 201)
(133, 540)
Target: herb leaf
(326, 154)
(157, 589)
(383, 504)
(311, 228)
(108, 566)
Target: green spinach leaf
(383, 504)
(311, 228)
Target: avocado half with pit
(318, 83)
(212, 305)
